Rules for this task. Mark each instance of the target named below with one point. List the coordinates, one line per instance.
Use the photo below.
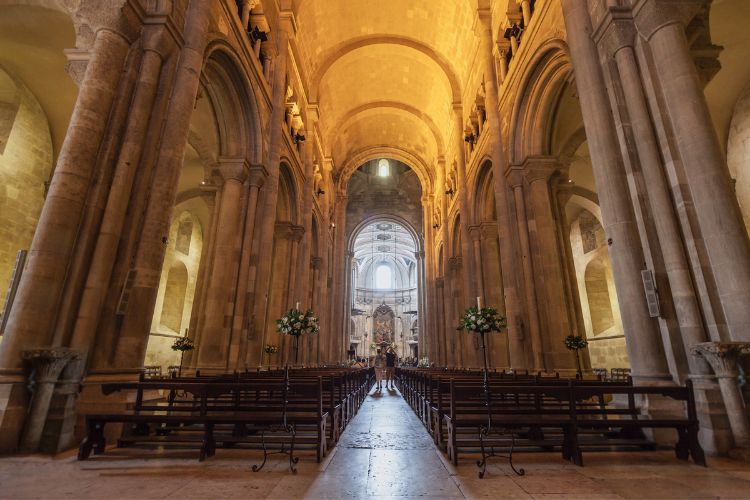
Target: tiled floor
(385, 452)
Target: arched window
(384, 168)
(383, 277)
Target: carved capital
(475, 232)
(539, 168)
(48, 364)
(515, 176)
(616, 31)
(257, 175)
(652, 15)
(235, 169)
(722, 356)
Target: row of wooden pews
(285, 408)
(541, 412)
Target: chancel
(344, 248)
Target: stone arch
(485, 209)
(338, 51)
(413, 161)
(234, 103)
(456, 236)
(540, 90)
(286, 206)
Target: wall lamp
(299, 138)
(257, 34)
(449, 192)
(319, 192)
(470, 138)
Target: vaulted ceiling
(386, 73)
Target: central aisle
(385, 451)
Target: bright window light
(383, 277)
(384, 168)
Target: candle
(479, 303)
(297, 306)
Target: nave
(384, 452)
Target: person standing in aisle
(379, 364)
(390, 368)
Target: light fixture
(449, 192)
(256, 34)
(298, 138)
(470, 138)
(319, 192)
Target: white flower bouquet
(297, 323)
(482, 320)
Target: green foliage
(296, 323)
(575, 342)
(183, 344)
(483, 320)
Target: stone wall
(25, 164)
(174, 304)
(738, 154)
(598, 297)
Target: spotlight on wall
(436, 226)
(470, 138)
(512, 32)
(319, 192)
(449, 192)
(257, 34)
(298, 138)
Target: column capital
(257, 175)
(652, 15)
(296, 233)
(233, 168)
(49, 363)
(616, 30)
(475, 232)
(489, 229)
(316, 262)
(514, 174)
(540, 168)
(722, 356)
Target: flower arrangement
(424, 362)
(271, 349)
(183, 344)
(296, 323)
(575, 342)
(482, 320)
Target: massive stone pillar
(511, 307)
(34, 310)
(31, 320)
(103, 261)
(216, 328)
(133, 334)
(618, 42)
(470, 287)
(555, 311)
(515, 176)
(340, 277)
(243, 307)
(261, 286)
(642, 335)
(721, 225)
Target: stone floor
(384, 452)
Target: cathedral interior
(184, 172)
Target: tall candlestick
(296, 306)
(479, 303)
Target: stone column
(550, 275)
(277, 129)
(212, 196)
(526, 10)
(723, 357)
(721, 225)
(340, 277)
(214, 346)
(475, 232)
(47, 365)
(440, 341)
(469, 276)
(149, 258)
(515, 176)
(256, 177)
(642, 334)
(31, 319)
(317, 299)
(503, 198)
(303, 282)
(103, 261)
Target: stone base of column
(14, 403)
(715, 434)
(91, 400)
